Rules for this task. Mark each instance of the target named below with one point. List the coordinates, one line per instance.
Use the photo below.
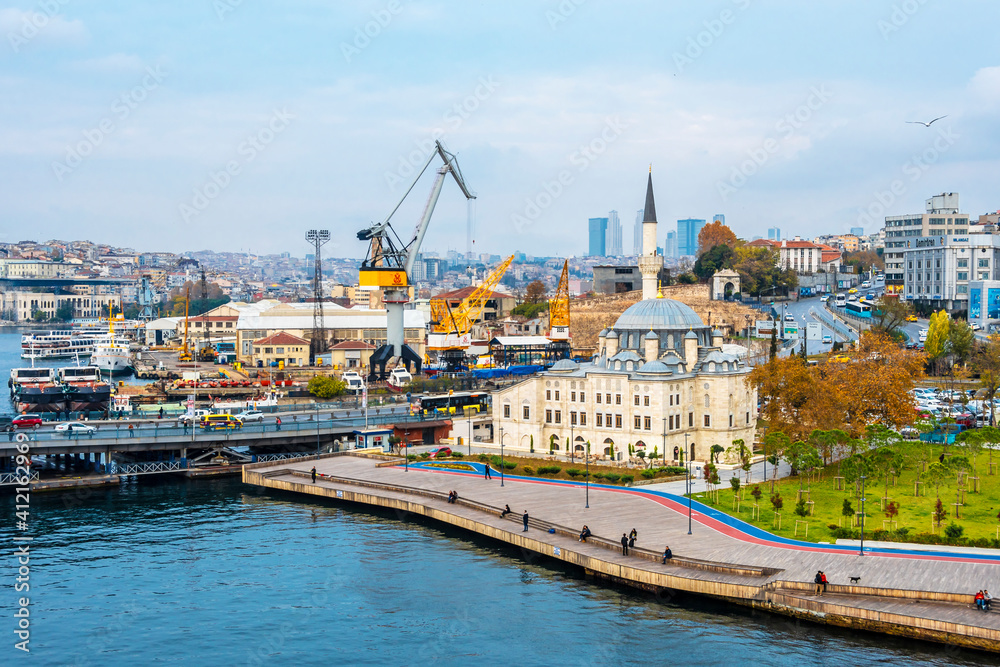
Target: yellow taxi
(220, 422)
(911, 318)
(853, 290)
(839, 359)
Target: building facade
(687, 236)
(938, 270)
(942, 218)
(613, 243)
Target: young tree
(847, 510)
(938, 473)
(986, 362)
(939, 513)
(802, 457)
(961, 340)
(776, 502)
(756, 493)
(715, 451)
(742, 453)
(936, 344)
(734, 482)
(775, 443)
(535, 292)
(972, 441)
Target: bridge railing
(13, 479)
(145, 467)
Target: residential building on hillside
(803, 257)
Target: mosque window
(637, 422)
(635, 399)
(618, 421)
(648, 423)
(526, 412)
(506, 410)
(583, 419)
(708, 401)
(708, 420)
(645, 401)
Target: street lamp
(664, 442)
(587, 478)
(406, 455)
(863, 478)
(501, 456)
(688, 480)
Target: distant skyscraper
(687, 236)
(719, 217)
(858, 231)
(670, 245)
(637, 234)
(613, 245)
(598, 237)
(773, 234)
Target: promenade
(921, 594)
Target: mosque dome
(658, 315)
(565, 365)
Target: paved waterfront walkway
(661, 519)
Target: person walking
(624, 544)
(818, 580)
(487, 475)
(277, 423)
(161, 412)
(632, 537)
(667, 554)
(10, 433)
(822, 577)
(131, 432)
(525, 520)
(314, 474)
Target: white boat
(57, 345)
(112, 356)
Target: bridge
(9, 283)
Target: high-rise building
(598, 237)
(637, 234)
(613, 245)
(670, 245)
(687, 236)
(773, 234)
(719, 217)
(858, 231)
(902, 232)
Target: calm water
(215, 573)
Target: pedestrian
(10, 433)
(525, 520)
(818, 580)
(585, 533)
(486, 474)
(314, 474)
(277, 423)
(624, 544)
(506, 511)
(631, 538)
(131, 433)
(667, 554)
(185, 426)
(161, 412)
(987, 600)
(980, 600)
(822, 576)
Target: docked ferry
(112, 356)
(57, 345)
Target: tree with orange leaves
(715, 234)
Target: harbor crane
(389, 264)
(450, 327)
(559, 317)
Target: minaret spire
(650, 263)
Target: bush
(599, 475)
(573, 472)
(457, 455)
(800, 507)
(484, 458)
(648, 474)
(425, 455)
(953, 531)
(612, 477)
(627, 479)
(528, 470)
(411, 457)
(549, 470)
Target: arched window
(711, 367)
(579, 445)
(554, 441)
(708, 401)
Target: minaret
(650, 263)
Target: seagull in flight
(920, 122)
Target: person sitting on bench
(585, 533)
(667, 555)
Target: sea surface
(211, 572)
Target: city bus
(858, 309)
(459, 402)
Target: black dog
(855, 580)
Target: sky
(238, 125)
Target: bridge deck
(930, 590)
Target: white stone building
(660, 381)
(938, 270)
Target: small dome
(604, 332)
(611, 334)
(690, 335)
(658, 314)
(716, 333)
(672, 359)
(565, 365)
(626, 355)
(654, 366)
(651, 336)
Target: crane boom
(559, 307)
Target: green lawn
(978, 515)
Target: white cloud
(115, 62)
(23, 29)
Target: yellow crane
(559, 307)
(185, 354)
(450, 327)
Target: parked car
(911, 318)
(27, 420)
(909, 433)
(250, 416)
(76, 427)
(440, 451)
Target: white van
(840, 301)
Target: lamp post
(470, 434)
(688, 480)
(664, 441)
(863, 478)
(587, 478)
(406, 455)
(501, 456)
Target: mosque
(660, 381)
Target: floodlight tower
(318, 343)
